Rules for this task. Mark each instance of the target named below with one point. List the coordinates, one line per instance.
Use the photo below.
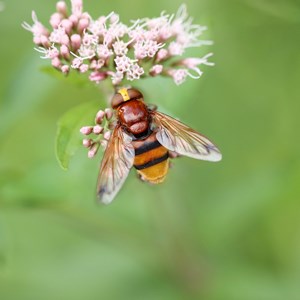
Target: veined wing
(115, 166)
(184, 140)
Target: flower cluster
(107, 48)
(102, 130)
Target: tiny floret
(106, 48)
(100, 133)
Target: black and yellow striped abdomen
(151, 159)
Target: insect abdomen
(151, 159)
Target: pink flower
(175, 49)
(61, 7)
(103, 51)
(65, 69)
(83, 68)
(99, 117)
(162, 54)
(64, 51)
(107, 135)
(101, 131)
(146, 48)
(120, 48)
(98, 76)
(123, 63)
(195, 61)
(108, 113)
(77, 7)
(86, 130)
(59, 36)
(180, 75)
(134, 72)
(107, 48)
(156, 70)
(93, 150)
(50, 53)
(75, 41)
(87, 143)
(77, 62)
(38, 29)
(55, 20)
(98, 129)
(116, 78)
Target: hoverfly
(142, 138)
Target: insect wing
(182, 139)
(115, 166)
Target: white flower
(120, 48)
(77, 62)
(134, 72)
(146, 48)
(117, 78)
(87, 51)
(180, 75)
(123, 63)
(111, 49)
(50, 53)
(59, 36)
(103, 51)
(175, 49)
(38, 29)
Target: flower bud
(75, 41)
(56, 63)
(107, 135)
(55, 20)
(64, 51)
(65, 40)
(45, 41)
(162, 54)
(83, 68)
(108, 113)
(61, 7)
(86, 130)
(65, 69)
(67, 25)
(97, 129)
(37, 40)
(99, 117)
(156, 70)
(82, 25)
(93, 151)
(103, 144)
(114, 18)
(74, 20)
(97, 76)
(87, 143)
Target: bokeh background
(221, 231)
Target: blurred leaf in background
(211, 231)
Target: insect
(142, 138)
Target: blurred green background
(221, 231)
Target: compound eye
(135, 94)
(116, 100)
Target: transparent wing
(115, 166)
(182, 139)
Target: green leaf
(68, 138)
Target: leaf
(68, 138)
